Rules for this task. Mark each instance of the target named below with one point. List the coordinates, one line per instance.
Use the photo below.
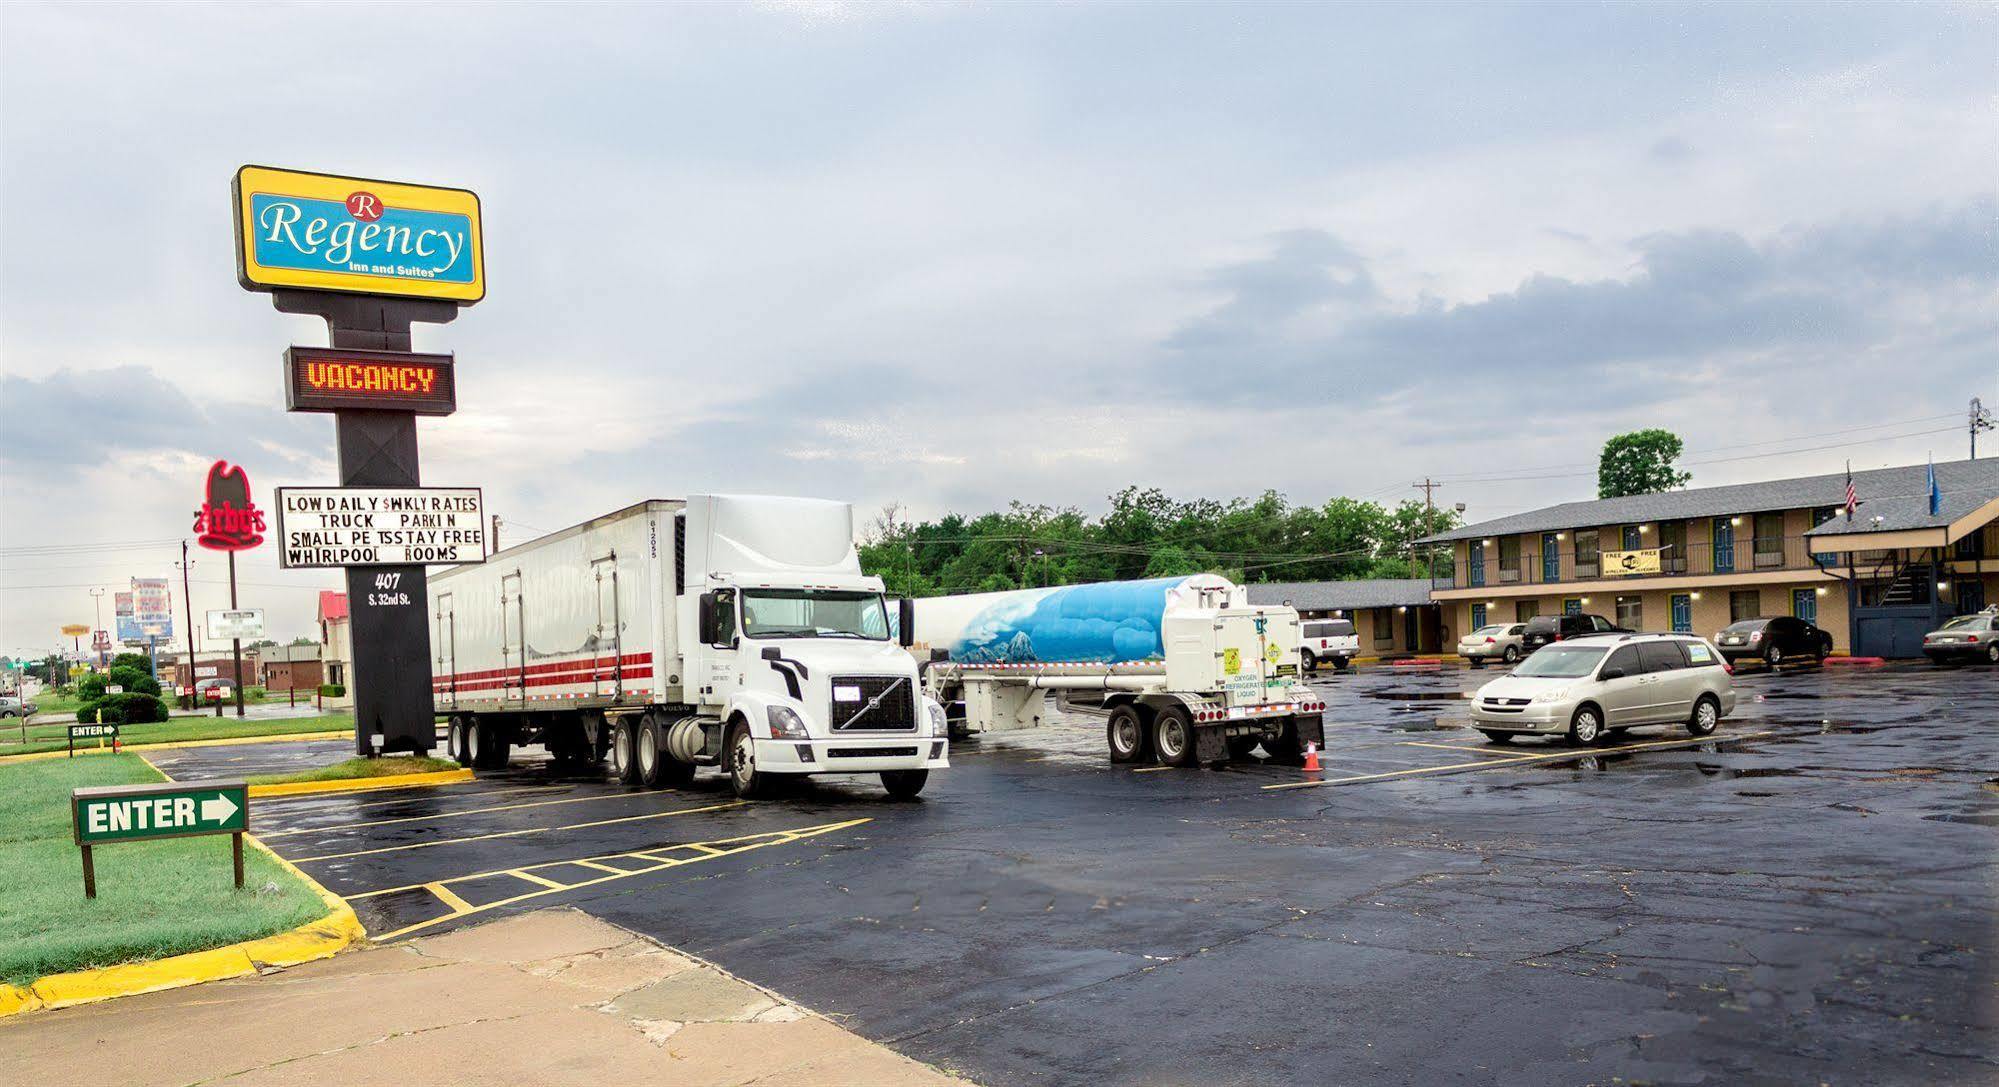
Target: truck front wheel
(904, 784)
(1125, 734)
(744, 779)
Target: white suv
(1327, 640)
(1591, 686)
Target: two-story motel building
(1696, 560)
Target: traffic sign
(171, 809)
(92, 732)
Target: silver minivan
(1597, 684)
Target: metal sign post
(171, 809)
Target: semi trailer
(729, 631)
(1183, 670)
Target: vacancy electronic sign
(336, 379)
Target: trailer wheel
(1126, 735)
(454, 740)
(744, 778)
(658, 769)
(904, 784)
(624, 753)
(1173, 736)
(489, 745)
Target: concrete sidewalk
(553, 997)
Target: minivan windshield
(1561, 661)
(814, 613)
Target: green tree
(132, 660)
(1640, 462)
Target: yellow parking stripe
(600, 867)
(515, 833)
(460, 908)
(522, 873)
(1570, 753)
(463, 811)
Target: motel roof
(1342, 595)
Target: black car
(1772, 640)
(1543, 629)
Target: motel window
(1744, 604)
(1509, 558)
(1633, 538)
(1384, 626)
(1586, 553)
(1631, 612)
(1769, 539)
(1524, 610)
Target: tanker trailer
(1183, 669)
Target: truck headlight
(785, 724)
(938, 725)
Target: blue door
(1551, 557)
(1805, 605)
(1477, 563)
(1683, 613)
(1572, 606)
(1477, 617)
(1724, 546)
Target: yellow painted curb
(313, 940)
(351, 785)
(166, 745)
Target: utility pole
(187, 600)
(1981, 419)
(97, 598)
(1429, 487)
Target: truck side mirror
(905, 614)
(773, 653)
(705, 619)
(939, 655)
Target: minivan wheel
(1586, 726)
(1512, 654)
(1707, 714)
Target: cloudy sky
(954, 255)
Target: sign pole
(235, 653)
(391, 680)
(89, 874)
(237, 839)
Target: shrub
(90, 688)
(332, 690)
(130, 708)
(129, 677)
(254, 694)
(132, 660)
(86, 714)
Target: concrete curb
(126, 749)
(314, 940)
(354, 785)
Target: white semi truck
(727, 631)
(1184, 670)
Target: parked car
(1543, 629)
(1327, 639)
(1772, 640)
(11, 706)
(1593, 685)
(1501, 641)
(1965, 638)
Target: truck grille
(870, 752)
(896, 712)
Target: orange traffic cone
(1311, 758)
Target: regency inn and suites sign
(325, 232)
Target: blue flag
(1936, 494)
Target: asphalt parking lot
(1806, 896)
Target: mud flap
(1310, 730)
(1211, 745)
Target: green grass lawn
(50, 702)
(358, 767)
(55, 737)
(154, 899)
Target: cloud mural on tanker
(1111, 622)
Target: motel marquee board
(380, 526)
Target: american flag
(1852, 496)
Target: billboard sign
(380, 526)
(340, 379)
(152, 608)
(75, 630)
(327, 232)
(227, 625)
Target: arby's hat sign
(229, 520)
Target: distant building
(292, 668)
(336, 639)
(1393, 616)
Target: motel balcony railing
(1748, 555)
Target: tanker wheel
(1173, 737)
(1127, 736)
